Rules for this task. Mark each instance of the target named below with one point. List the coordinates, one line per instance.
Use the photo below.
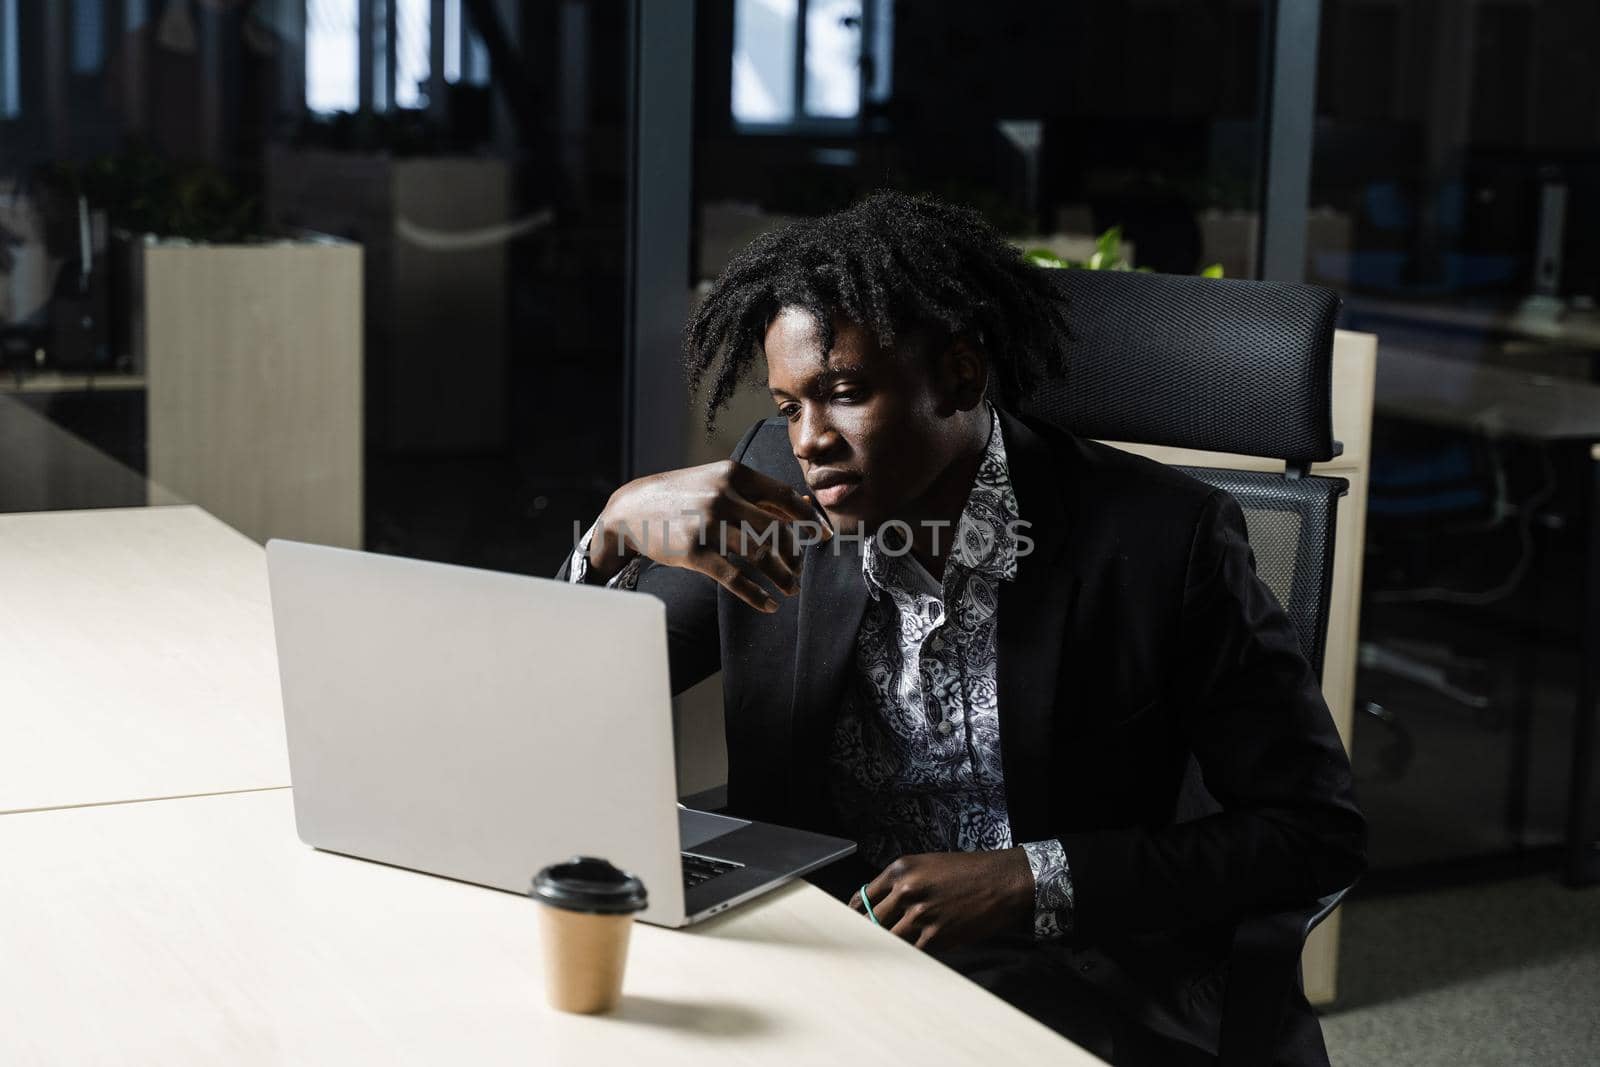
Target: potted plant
(249, 344)
(1109, 254)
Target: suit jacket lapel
(833, 596)
(1034, 610)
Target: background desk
(1556, 339)
(136, 659)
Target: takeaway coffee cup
(583, 927)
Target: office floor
(1484, 975)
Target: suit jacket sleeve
(1250, 709)
(694, 651)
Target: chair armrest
(1263, 966)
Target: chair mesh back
(1225, 366)
(1290, 522)
(1221, 366)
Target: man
(994, 672)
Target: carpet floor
(1507, 973)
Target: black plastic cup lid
(585, 883)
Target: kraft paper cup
(584, 924)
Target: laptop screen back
(472, 724)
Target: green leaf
(1109, 244)
(1213, 271)
(1043, 257)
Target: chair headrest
(1214, 364)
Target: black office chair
(1224, 366)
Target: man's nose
(813, 436)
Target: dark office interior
(542, 189)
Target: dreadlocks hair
(891, 263)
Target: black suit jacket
(1136, 640)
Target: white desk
(202, 931)
(136, 662)
(136, 659)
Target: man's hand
(722, 519)
(948, 899)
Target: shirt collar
(984, 540)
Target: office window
(833, 59)
(475, 60)
(377, 41)
(452, 40)
(10, 62)
(336, 37)
(763, 60)
(412, 30)
(88, 36)
(836, 46)
(466, 59)
(333, 63)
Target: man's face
(867, 428)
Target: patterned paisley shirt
(915, 756)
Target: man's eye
(850, 396)
(789, 411)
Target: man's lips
(832, 486)
(830, 496)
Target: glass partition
(1455, 181)
(1058, 122)
(321, 267)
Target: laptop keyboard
(698, 870)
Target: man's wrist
(1023, 894)
(608, 553)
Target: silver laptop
(480, 726)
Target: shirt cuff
(1052, 889)
(578, 572)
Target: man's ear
(961, 370)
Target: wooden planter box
(253, 359)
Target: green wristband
(865, 903)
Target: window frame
(802, 123)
